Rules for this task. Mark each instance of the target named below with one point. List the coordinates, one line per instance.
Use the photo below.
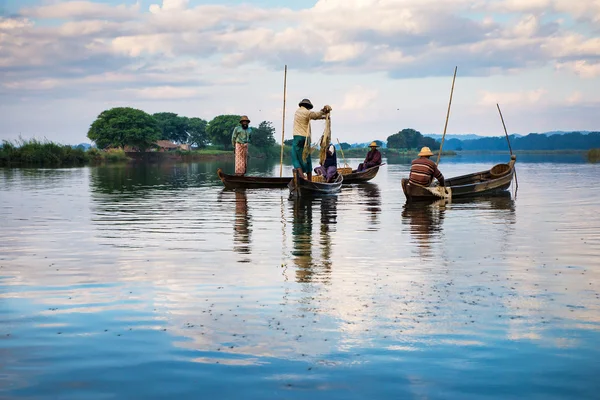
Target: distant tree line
(533, 141)
(126, 126)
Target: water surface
(152, 281)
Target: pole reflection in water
(310, 269)
(242, 225)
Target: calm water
(154, 282)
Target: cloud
(81, 10)
(583, 68)
(525, 97)
(358, 98)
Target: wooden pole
(508, 141)
(505, 131)
(447, 117)
(343, 156)
(283, 122)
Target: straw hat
(244, 118)
(306, 103)
(373, 144)
(425, 152)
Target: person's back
(423, 170)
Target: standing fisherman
(239, 140)
(301, 150)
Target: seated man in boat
(423, 170)
(301, 150)
(329, 167)
(373, 158)
(239, 140)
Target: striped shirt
(422, 172)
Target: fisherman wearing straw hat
(301, 150)
(423, 170)
(372, 160)
(239, 140)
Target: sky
(382, 65)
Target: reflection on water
(425, 223)
(241, 227)
(154, 282)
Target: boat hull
(300, 186)
(471, 185)
(252, 182)
(363, 176)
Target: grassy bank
(49, 154)
(593, 155)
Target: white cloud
(525, 97)
(163, 93)
(583, 68)
(358, 98)
(81, 10)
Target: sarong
(241, 153)
(328, 172)
(297, 149)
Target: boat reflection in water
(371, 200)
(425, 219)
(313, 263)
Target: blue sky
(383, 65)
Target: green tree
(264, 136)
(220, 128)
(345, 146)
(410, 139)
(196, 129)
(379, 143)
(124, 126)
(172, 126)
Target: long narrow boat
(251, 182)
(301, 186)
(496, 179)
(362, 176)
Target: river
(152, 281)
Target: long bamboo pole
(508, 141)
(447, 116)
(343, 156)
(283, 122)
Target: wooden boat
(301, 186)
(496, 179)
(251, 182)
(363, 176)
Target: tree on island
(264, 136)
(124, 126)
(411, 139)
(196, 129)
(220, 128)
(172, 126)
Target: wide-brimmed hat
(425, 152)
(373, 144)
(244, 118)
(306, 103)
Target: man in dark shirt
(373, 158)
(329, 167)
(423, 170)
